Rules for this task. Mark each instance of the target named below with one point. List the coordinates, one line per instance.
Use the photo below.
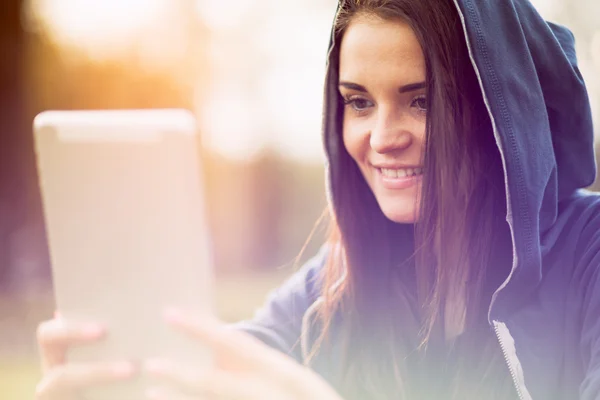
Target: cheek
(356, 140)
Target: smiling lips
(400, 172)
(399, 178)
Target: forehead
(370, 42)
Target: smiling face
(382, 81)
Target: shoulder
(579, 226)
(569, 246)
(307, 281)
(581, 216)
(279, 322)
(576, 223)
(301, 289)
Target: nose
(391, 132)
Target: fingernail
(93, 330)
(123, 369)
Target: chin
(405, 215)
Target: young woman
(464, 256)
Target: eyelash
(418, 98)
(351, 100)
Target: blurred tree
(21, 229)
(11, 40)
(267, 195)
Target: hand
(245, 369)
(62, 380)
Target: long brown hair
(460, 216)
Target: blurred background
(251, 71)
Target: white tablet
(123, 204)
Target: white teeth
(389, 173)
(401, 172)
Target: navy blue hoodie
(546, 314)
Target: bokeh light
(103, 28)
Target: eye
(357, 103)
(420, 102)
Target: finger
(236, 348)
(56, 336)
(226, 342)
(67, 379)
(212, 384)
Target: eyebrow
(411, 87)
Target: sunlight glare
(219, 14)
(107, 25)
(229, 124)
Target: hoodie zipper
(520, 388)
(511, 368)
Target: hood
(541, 116)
